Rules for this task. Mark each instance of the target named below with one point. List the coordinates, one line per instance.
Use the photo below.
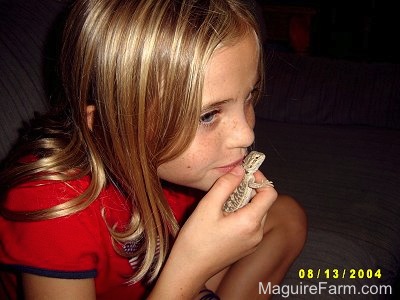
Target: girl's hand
(211, 240)
(214, 239)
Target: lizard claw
(263, 183)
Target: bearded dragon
(243, 193)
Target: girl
(159, 102)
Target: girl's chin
(209, 183)
(204, 186)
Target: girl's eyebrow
(213, 105)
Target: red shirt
(75, 246)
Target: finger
(261, 202)
(259, 177)
(263, 198)
(264, 219)
(224, 186)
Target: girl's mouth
(229, 167)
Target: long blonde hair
(141, 64)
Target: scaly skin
(242, 194)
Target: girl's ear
(90, 115)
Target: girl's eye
(209, 117)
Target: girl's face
(227, 119)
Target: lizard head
(253, 161)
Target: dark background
(353, 29)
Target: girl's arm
(211, 240)
(40, 287)
(284, 237)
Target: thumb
(224, 186)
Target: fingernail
(238, 170)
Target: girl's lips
(228, 168)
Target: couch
(329, 128)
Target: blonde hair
(141, 64)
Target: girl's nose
(241, 134)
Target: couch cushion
(311, 90)
(347, 178)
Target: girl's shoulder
(74, 246)
(43, 194)
(49, 194)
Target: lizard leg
(256, 185)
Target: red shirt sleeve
(66, 244)
(78, 245)
(75, 246)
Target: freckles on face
(191, 169)
(227, 120)
(194, 168)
